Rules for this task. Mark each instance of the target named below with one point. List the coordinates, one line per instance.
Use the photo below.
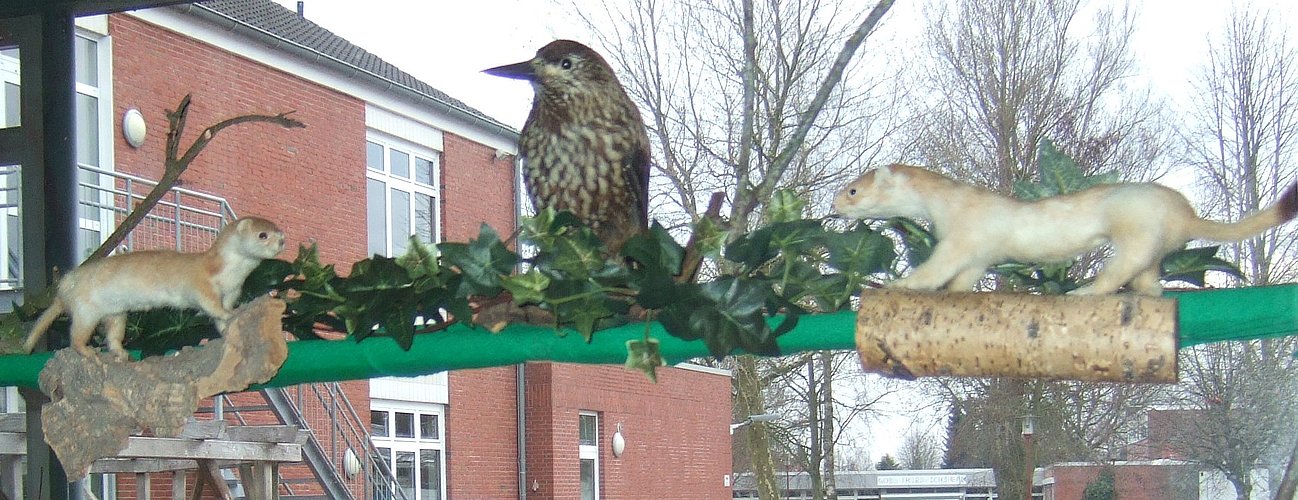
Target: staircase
(340, 459)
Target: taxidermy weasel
(103, 291)
(977, 228)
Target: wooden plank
(13, 422)
(205, 429)
(210, 450)
(178, 485)
(142, 486)
(208, 468)
(263, 433)
(12, 443)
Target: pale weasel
(105, 290)
(977, 228)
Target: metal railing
(347, 431)
(187, 220)
(183, 219)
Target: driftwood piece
(97, 403)
(1119, 338)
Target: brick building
(384, 156)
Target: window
(408, 435)
(588, 454)
(94, 138)
(401, 194)
(10, 229)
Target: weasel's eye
(852, 192)
(566, 64)
(263, 235)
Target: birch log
(1118, 338)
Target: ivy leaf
(481, 262)
(644, 356)
(860, 251)
(919, 241)
(785, 206)
(761, 246)
(658, 257)
(710, 237)
(420, 260)
(268, 275)
(1059, 175)
(733, 317)
(1192, 264)
(527, 288)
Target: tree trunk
(748, 397)
(1289, 483)
(814, 458)
(827, 424)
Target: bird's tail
(43, 324)
(1278, 213)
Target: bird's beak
(517, 71)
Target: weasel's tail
(43, 324)
(1279, 213)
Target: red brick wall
(677, 435)
(476, 188)
(310, 181)
(1132, 481)
(481, 436)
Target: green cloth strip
(1205, 316)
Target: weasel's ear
(883, 175)
(243, 224)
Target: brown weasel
(106, 289)
(977, 228)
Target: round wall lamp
(351, 464)
(619, 442)
(133, 127)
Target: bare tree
(1245, 136)
(919, 451)
(1243, 143)
(1002, 76)
(744, 97)
(1243, 397)
(1005, 75)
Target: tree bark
(748, 398)
(1119, 338)
(96, 403)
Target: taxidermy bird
(583, 146)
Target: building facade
(384, 156)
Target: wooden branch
(693, 257)
(96, 403)
(1118, 338)
(808, 117)
(175, 166)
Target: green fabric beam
(1205, 316)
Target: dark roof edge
(235, 25)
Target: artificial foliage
(786, 269)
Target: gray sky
(447, 43)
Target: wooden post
(1118, 338)
(178, 485)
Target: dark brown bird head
(562, 69)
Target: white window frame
(588, 451)
(102, 92)
(10, 201)
(405, 184)
(416, 443)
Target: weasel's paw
(908, 283)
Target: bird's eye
(852, 192)
(566, 64)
